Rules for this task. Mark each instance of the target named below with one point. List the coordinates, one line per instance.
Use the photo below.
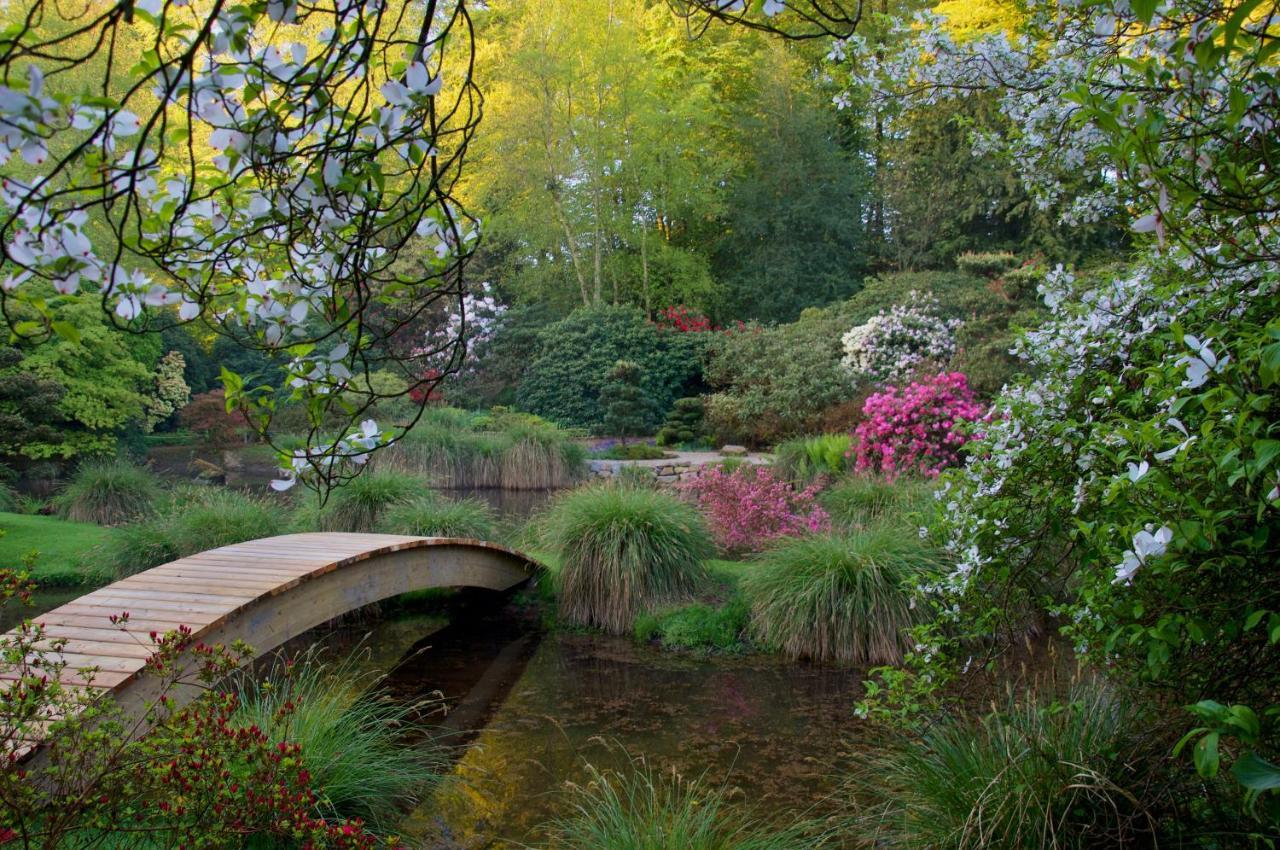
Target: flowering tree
(895, 344)
(473, 319)
(1130, 489)
(171, 391)
(263, 167)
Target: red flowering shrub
(916, 429)
(174, 777)
(749, 506)
(681, 318)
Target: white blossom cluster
(898, 343)
(468, 327)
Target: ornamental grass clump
(1032, 775)
(624, 551)
(359, 504)
(644, 809)
(359, 763)
(844, 596)
(860, 500)
(110, 492)
(432, 515)
(920, 428)
(749, 506)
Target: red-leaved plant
(179, 777)
(749, 506)
(919, 428)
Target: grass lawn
(63, 548)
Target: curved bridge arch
(263, 592)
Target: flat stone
(733, 451)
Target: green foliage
(623, 551)
(1029, 776)
(628, 410)
(360, 504)
(844, 596)
(697, 627)
(501, 449)
(359, 765)
(195, 520)
(66, 553)
(861, 500)
(646, 809)
(791, 237)
(432, 515)
(90, 388)
(110, 492)
(803, 459)
(685, 423)
(634, 451)
(988, 264)
(565, 381)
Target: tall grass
(643, 809)
(108, 492)
(803, 459)
(431, 515)
(360, 504)
(454, 449)
(1032, 775)
(839, 596)
(195, 519)
(352, 744)
(623, 551)
(860, 500)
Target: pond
(529, 710)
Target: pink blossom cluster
(918, 428)
(749, 506)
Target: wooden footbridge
(263, 592)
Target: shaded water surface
(528, 711)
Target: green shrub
(628, 410)
(803, 459)
(697, 626)
(431, 515)
(634, 451)
(986, 263)
(108, 493)
(838, 597)
(1029, 776)
(352, 743)
(685, 423)
(359, 504)
(8, 499)
(565, 380)
(623, 551)
(646, 809)
(860, 500)
(196, 519)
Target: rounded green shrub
(838, 597)
(1032, 775)
(108, 492)
(431, 515)
(624, 551)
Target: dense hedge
(564, 381)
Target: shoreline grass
(110, 492)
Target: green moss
(65, 550)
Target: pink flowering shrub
(918, 428)
(750, 506)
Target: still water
(529, 710)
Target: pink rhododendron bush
(919, 428)
(749, 506)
